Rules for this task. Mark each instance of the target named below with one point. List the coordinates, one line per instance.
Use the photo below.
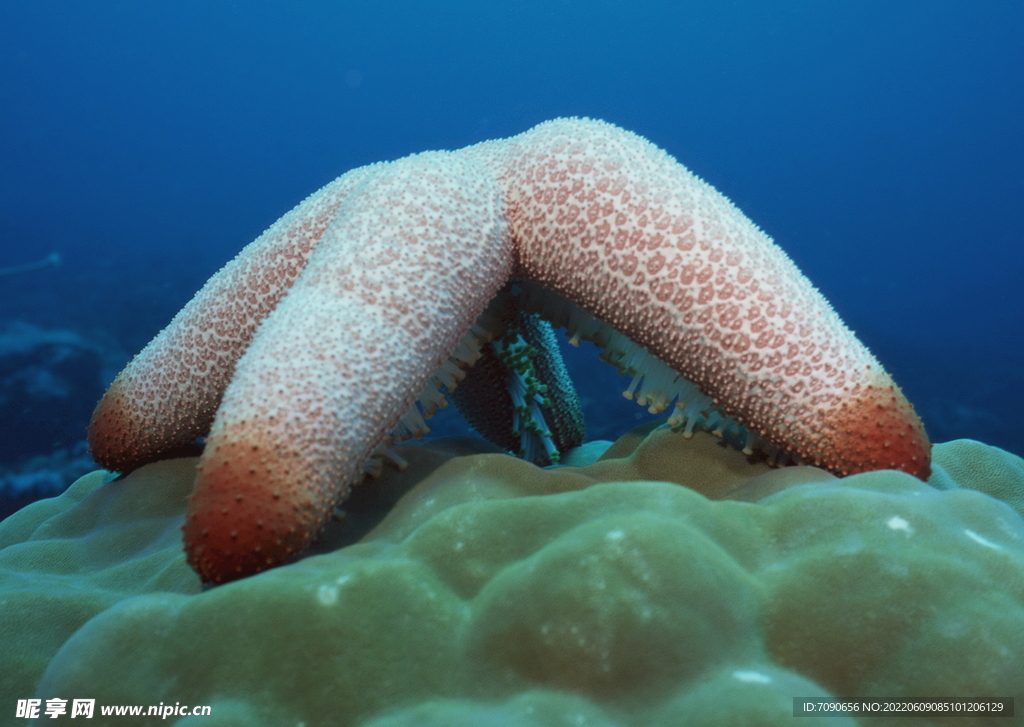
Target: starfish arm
(609, 221)
(167, 396)
(392, 286)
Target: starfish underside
(300, 356)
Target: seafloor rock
(42, 475)
(40, 372)
(50, 380)
(495, 592)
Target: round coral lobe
(246, 514)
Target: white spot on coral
(898, 523)
(342, 579)
(981, 541)
(751, 677)
(614, 536)
(954, 629)
(327, 595)
(897, 568)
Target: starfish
(300, 357)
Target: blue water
(879, 143)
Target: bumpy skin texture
(620, 228)
(342, 358)
(495, 592)
(168, 395)
(329, 325)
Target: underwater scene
(518, 363)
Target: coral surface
(496, 592)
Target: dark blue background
(879, 143)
